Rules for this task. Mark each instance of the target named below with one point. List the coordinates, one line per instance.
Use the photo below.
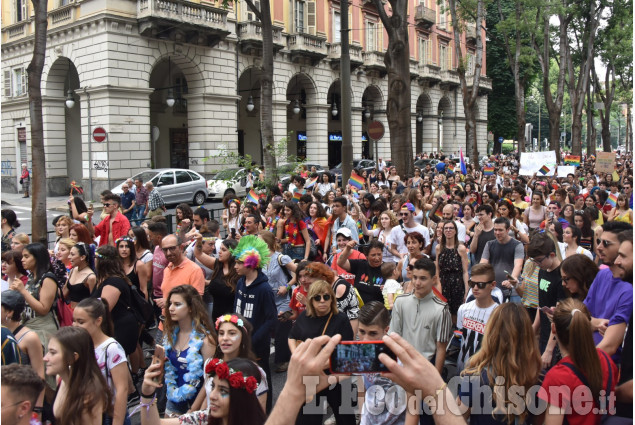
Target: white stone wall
(114, 65)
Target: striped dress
(530, 282)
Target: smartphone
(159, 357)
(551, 214)
(547, 310)
(90, 204)
(509, 275)
(233, 232)
(359, 357)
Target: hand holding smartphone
(159, 357)
(359, 357)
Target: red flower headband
(235, 378)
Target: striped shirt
(530, 284)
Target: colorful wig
(252, 251)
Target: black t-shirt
(222, 295)
(311, 327)
(626, 372)
(368, 280)
(483, 238)
(550, 291)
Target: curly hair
(394, 221)
(320, 271)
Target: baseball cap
(344, 231)
(13, 300)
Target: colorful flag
(356, 181)
(252, 196)
(296, 196)
(463, 166)
(488, 171)
(311, 183)
(572, 160)
(544, 170)
(612, 200)
(438, 213)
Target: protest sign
(605, 162)
(563, 170)
(531, 162)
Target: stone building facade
(121, 61)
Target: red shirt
(348, 276)
(294, 303)
(120, 227)
(294, 232)
(562, 388)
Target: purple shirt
(610, 298)
(159, 263)
(141, 196)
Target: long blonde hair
(510, 350)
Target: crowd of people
(520, 285)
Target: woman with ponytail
(582, 364)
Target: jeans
(138, 214)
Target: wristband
(441, 389)
(148, 395)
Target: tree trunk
(266, 89)
(605, 120)
(469, 95)
(398, 108)
(519, 87)
(590, 143)
(34, 71)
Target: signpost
(99, 134)
(376, 132)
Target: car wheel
(199, 198)
(229, 192)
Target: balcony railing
(185, 12)
(335, 53)
(429, 73)
(250, 35)
(470, 31)
(484, 83)
(307, 45)
(425, 16)
(450, 77)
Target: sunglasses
(404, 214)
(480, 285)
(106, 204)
(325, 297)
(169, 248)
(604, 242)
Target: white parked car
(232, 181)
(175, 185)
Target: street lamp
(250, 103)
(70, 102)
(419, 116)
(440, 121)
(296, 107)
(366, 113)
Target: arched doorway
(371, 102)
(424, 137)
(444, 120)
(249, 134)
(62, 81)
(334, 125)
(168, 114)
(300, 92)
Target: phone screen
(359, 357)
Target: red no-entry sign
(375, 130)
(99, 134)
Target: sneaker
(282, 367)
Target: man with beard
(624, 389)
(610, 299)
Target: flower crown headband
(231, 318)
(124, 239)
(235, 378)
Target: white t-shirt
(471, 320)
(116, 355)
(460, 227)
(397, 235)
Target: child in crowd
(392, 288)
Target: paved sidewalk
(53, 203)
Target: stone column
(211, 121)
(384, 143)
(357, 129)
(280, 131)
(317, 132)
(53, 116)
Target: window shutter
(428, 59)
(24, 10)
(7, 83)
(310, 17)
(23, 81)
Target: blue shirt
(440, 167)
(126, 199)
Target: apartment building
(176, 83)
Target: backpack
(141, 308)
(286, 271)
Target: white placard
(563, 170)
(531, 162)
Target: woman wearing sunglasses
(322, 317)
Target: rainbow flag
(463, 166)
(612, 200)
(311, 183)
(572, 160)
(356, 181)
(488, 171)
(438, 213)
(544, 170)
(296, 196)
(252, 196)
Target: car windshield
(145, 176)
(226, 174)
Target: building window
(470, 64)
(443, 8)
(425, 51)
(298, 17)
(15, 82)
(250, 14)
(20, 10)
(371, 36)
(445, 57)
(337, 26)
